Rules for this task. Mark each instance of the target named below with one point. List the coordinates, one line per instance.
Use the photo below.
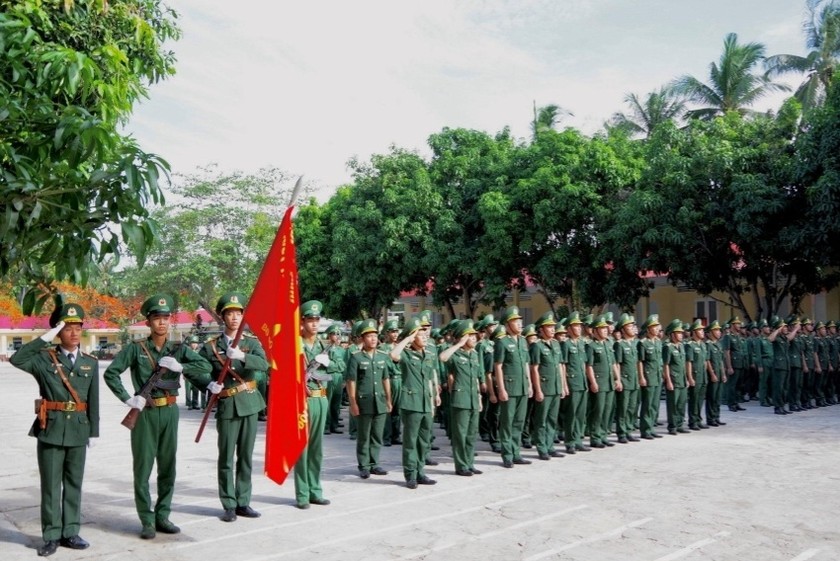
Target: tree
(546, 118)
(70, 73)
(732, 84)
(660, 106)
(822, 37)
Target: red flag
(273, 314)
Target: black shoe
(583, 448)
(435, 447)
(570, 450)
(713, 424)
(167, 527)
(596, 444)
(496, 449)
(364, 473)
(658, 423)
(555, 454)
(543, 456)
(431, 462)
(74, 542)
(719, 423)
(302, 506)
(683, 430)
(411, 484)
(464, 472)
(147, 533)
(694, 428)
(378, 471)
(424, 480)
(527, 445)
(48, 548)
(247, 512)
(632, 438)
(739, 408)
(320, 502)
(507, 463)
(623, 440)
(647, 436)
(733, 408)
(778, 411)
(476, 471)
(701, 426)
(607, 443)
(229, 515)
(386, 444)
(338, 431)
(656, 435)
(672, 432)
(521, 461)
(396, 441)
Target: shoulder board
(249, 336)
(89, 356)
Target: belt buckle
(69, 406)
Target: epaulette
(88, 355)
(250, 336)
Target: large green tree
(644, 115)
(70, 73)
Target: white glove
(170, 363)
(136, 402)
(214, 387)
(322, 359)
(91, 442)
(52, 333)
(234, 353)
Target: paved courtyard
(764, 487)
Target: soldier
(369, 392)
(823, 364)
(531, 337)
(796, 358)
(574, 405)
(834, 363)
(780, 338)
(155, 436)
(604, 380)
(67, 418)
(764, 363)
(238, 407)
(676, 373)
(627, 359)
(354, 346)
(393, 429)
(418, 400)
(735, 354)
(513, 383)
(494, 405)
(196, 397)
(548, 378)
(650, 376)
(308, 488)
(464, 381)
(338, 364)
(811, 366)
(700, 367)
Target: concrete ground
(764, 487)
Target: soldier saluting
(68, 416)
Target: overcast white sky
(305, 86)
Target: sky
(306, 86)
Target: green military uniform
(393, 428)
(338, 365)
(601, 367)
(796, 350)
(697, 354)
(781, 366)
(821, 350)
(512, 354)
(627, 400)
(418, 369)
(64, 429)
(650, 358)
(155, 436)
(714, 388)
(485, 350)
(492, 416)
(674, 361)
(765, 362)
(466, 373)
(237, 410)
(367, 379)
(575, 403)
(546, 358)
(308, 487)
(736, 348)
(809, 373)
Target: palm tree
(658, 107)
(547, 117)
(732, 85)
(822, 37)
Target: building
(96, 334)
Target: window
(706, 310)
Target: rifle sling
(64, 379)
(233, 373)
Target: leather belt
(249, 387)
(161, 401)
(67, 406)
(318, 392)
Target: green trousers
(713, 397)
(627, 405)
(334, 389)
(62, 469)
(794, 389)
(511, 422)
(764, 383)
(675, 402)
(731, 393)
(574, 417)
(308, 466)
(154, 440)
(545, 422)
(779, 381)
(650, 409)
(599, 417)
(416, 429)
(369, 439)
(236, 437)
(392, 424)
(696, 397)
(464, 432)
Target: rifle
(211, 403)
(314, 365)
(146, 391)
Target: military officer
(764, 363)
(676, 375)
(419, 397)
(338, 364)
(513, 383)
(308, 489)
(238, 408)
(604, 380)
(67, 418)
(735, 354)
(627, 358)
(717, 375)
(548, 378)
(369, 391)
(493, 407)
(155, 436)
(697, 355)
(780, 338)
(393, 429)
(796, 357)
(196, 397)
(649, 350)
(464, 380)
(574, 404)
